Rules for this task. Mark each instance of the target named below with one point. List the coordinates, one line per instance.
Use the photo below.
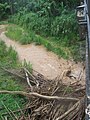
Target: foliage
(52, 7)
(58, 46)
(65, 24)
(9, 59)
(45, 19)
(4, 10)
(49, 18)
(18, 34)
(7, 55)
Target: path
(43, 61)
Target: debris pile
(49, 99)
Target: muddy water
(42, 61)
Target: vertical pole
(88, 61)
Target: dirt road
(45, 62)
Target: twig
(40, 74)
(15, 74)
(37, 83)
(38, 95)
(62, 74)
(29, 73)
(6, 118)
(76, 106)
(27, 78)
(55, 90)
(80, 89)
(75, 83)
(80, 75)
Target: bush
(4, 10)
(65, 24)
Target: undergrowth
(60, 46)
(9, 59)
(49, 23)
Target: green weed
(63, 47)
(14, 32)
(3, 22)
(9, 59)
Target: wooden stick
(15, 74)
(28, 82)
(38, 95)
(76, 106)
(26, 71)
(80, 89)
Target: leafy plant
(4, 7)
(9, 59)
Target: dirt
(47, 63)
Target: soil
(45, 62)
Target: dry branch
(12, 73)
(76, 106)
(28, 81)
(80, 89)
(38, 95)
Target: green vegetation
(3, 10)
(3, 22)
(59, 26)
(9, 59)
(7, 56)
(48, 22)
(51, 23)
(59, 46)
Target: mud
(47, 63)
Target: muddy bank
(47, 63)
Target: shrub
(4, 7)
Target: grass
(3, 22)
(9, 59)
(59, 46)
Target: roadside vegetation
(26, 37)
(50, 23)
(9, 59)
(59, 46)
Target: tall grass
(9, 59)
(28, 37)
(63, 47)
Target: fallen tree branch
(12, 73)
(76, 106)
(16, 74)
(27, 72)
(38, 95)
(80, 89)
(28, 82)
